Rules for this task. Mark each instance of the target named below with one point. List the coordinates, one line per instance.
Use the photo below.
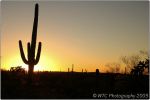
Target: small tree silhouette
(31, 61)
(147, 64)
(139, 68)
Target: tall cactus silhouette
(31, 47)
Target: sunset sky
(88, 34)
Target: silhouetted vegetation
(72, 68)
(97, 72)
(17, 69)
(71, 85)
(140, 67)
(133, 60)
(113, 67)
(31, 61)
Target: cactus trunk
(31, 68)
(30, 73)
(31, 47)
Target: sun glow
(45, 63)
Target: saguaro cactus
(31, 47)
(97, 72)
(72, 67)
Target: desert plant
(68, 70)
(17, 69)
(82, 71)
(72, 68)
(97, 72)
(114, 67)
(31, 61)
(140, 67)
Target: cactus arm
(34, 31)
(22, 53)
(38, 53)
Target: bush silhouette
(139, 68)
(17, 69)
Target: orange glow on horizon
(45, 63)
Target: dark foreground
(74, 85)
